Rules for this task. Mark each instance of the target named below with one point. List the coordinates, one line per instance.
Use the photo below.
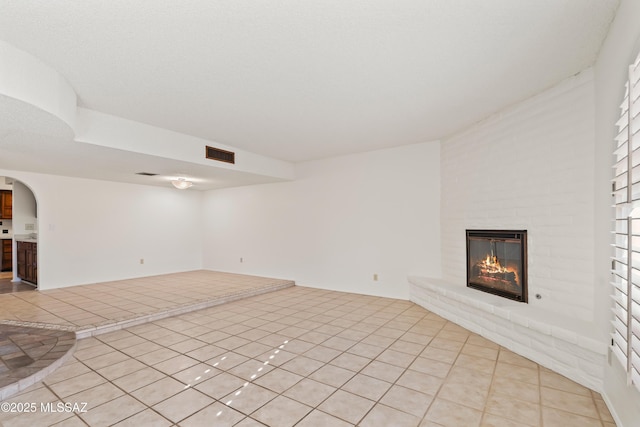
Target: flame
(492, 265)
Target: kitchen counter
(26, 238)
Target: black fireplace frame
(519, 236)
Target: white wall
(255, 223)
(529, 167)
(341, 221)
(24, 209)
(94, 231)
(618, 51)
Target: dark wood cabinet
(6, 254)
(28, 261)
(6, 204)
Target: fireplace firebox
(497, 262)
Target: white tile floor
(84, 307)
(305, 357)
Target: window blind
(626, 231)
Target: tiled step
(27, 355)
(29, 350)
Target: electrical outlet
(29, 227)
(375, 277)
(141, 260)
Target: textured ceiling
(300, 80)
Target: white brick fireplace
(529, 167)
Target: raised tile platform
(557, 342)
(38, 329)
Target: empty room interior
(323, 213)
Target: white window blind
(626, 257)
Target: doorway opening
(18, 236)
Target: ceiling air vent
(146, 173)
(220, 155)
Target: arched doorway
(18, 236)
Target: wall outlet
(29, 227)
(375, 277)
(141, 260)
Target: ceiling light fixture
(181, 183)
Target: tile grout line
(275, 308)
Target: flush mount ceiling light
(181, 183)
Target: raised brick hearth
(557, 342)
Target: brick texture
(530, 167)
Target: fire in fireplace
(497, 262)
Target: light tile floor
(81, 307)
(6, 286)
(304, 357)
(26, 351)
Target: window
(626, 258)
